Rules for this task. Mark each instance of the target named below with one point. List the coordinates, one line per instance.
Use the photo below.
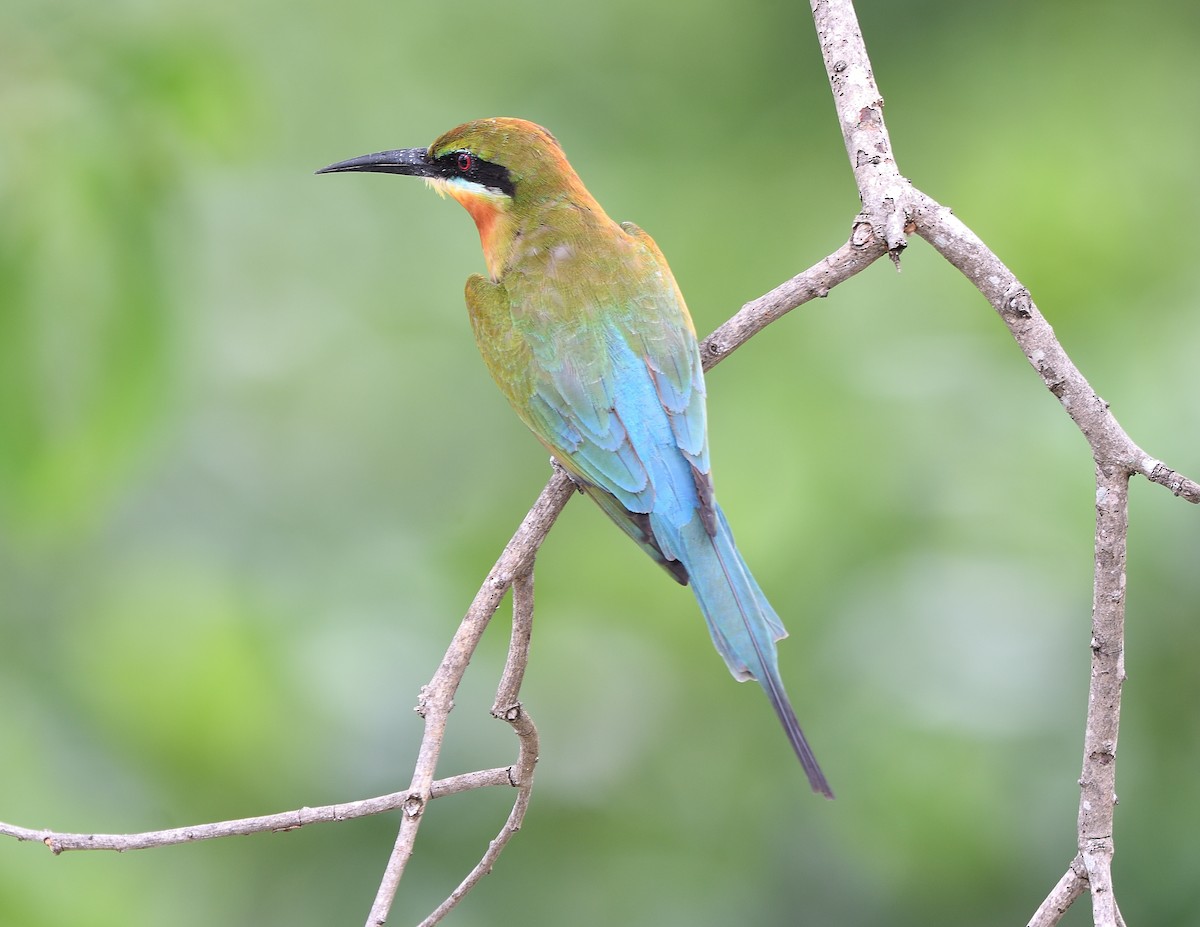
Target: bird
(585, 331)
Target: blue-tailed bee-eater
(584, 329)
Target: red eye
(465, 161)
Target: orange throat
(490, 218)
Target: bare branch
(885, 194)
(1107, 439)
(1098, 781)
(437, 698)
(284, 821)
(1073, 884)
(862, 250)
(893, 208)
(507, 708)
(509, 690)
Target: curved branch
(960, 246)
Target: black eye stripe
(464, 163)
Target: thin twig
(286, 820)
(507, 708)
(862, 250)
(507, 703)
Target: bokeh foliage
(251, 470)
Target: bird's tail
(743, 625)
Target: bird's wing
(667, 338)
(615, 392)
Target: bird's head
(496, 168)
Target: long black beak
(412, 161)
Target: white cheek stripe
(443, 185)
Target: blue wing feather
(743, 625)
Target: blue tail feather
(743, 625)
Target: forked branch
(895, 208)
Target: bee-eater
(584, 329)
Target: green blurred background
(252, 471)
